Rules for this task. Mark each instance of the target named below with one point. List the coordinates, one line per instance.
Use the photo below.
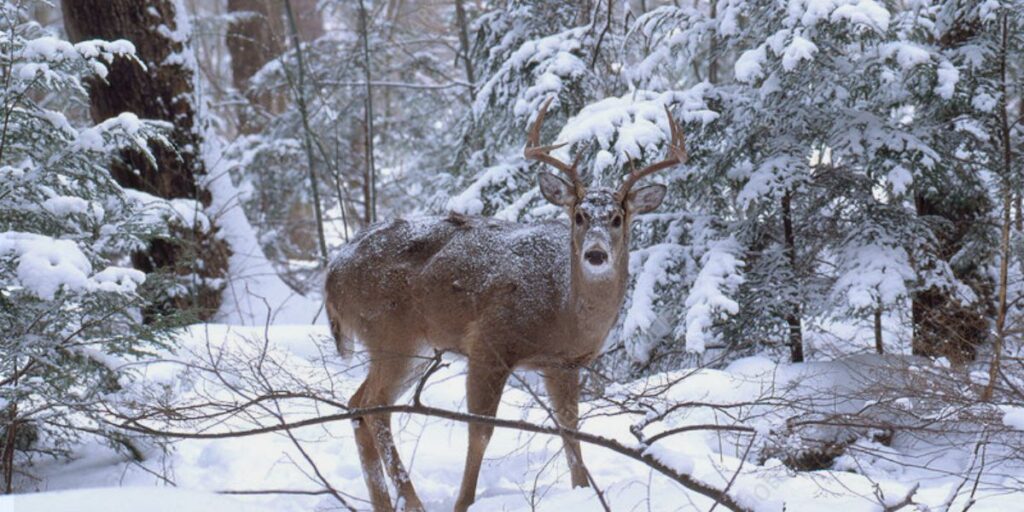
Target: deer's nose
(596, 257)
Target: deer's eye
(579, 218)
(616, 221)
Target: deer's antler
(534, 151)
(676, 148)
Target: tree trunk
(300, 100)
(253, 39)
(1019, 194)
(796, 337)
(308, 20)
(464, 49)
(1005, 139)
(162, 90)
(370, 175)
(713, 48)
(879, 345)
(256, 35)
(10, 435)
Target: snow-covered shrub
(816, 148)
(69, 299)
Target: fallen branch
(636, 453)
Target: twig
(686, 481)
(907, 500)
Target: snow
(125, 124)
(552, 61)
(681, 463)
(46, 264)
(799, 49)
(865, 12)
(809, 12)
(519, 468)
(1013, 417)
(66, 205)
(708, 299)
(909, 55)
(873, 274)
(254, 290)
(40, 53)
(118, 279)
(641, 312)
(771, 175)
(748, 67)
(159, 211)
(48, 48)
(984, 102)
(105, 50)
(630, 127)
(469, 201)
(900, 178)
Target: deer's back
(444, 280)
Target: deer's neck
(594, 303)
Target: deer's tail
(342, 340)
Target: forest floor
(522, 471)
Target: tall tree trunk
(713, 47)
(796, 336)
(308, 19)
(300, 100)
(1019, 199)
(162, 90)
(256, 35)
(252, 40)
(464, 50)
(8, 441)
(370, 175)
(1007, 224)
(879, 345)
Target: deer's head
(600, 217)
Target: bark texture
(943, 325)
(162, 90)
(256, 35)
(253, 39)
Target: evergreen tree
(70, 303)
(812, 130)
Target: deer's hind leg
(389, 375)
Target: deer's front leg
(564, 389)
(485, 382)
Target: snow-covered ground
(522, 471)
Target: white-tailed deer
(505, 295)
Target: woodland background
(853, 193)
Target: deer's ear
(645, 199)
(556, 190)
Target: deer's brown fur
(503, 294)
